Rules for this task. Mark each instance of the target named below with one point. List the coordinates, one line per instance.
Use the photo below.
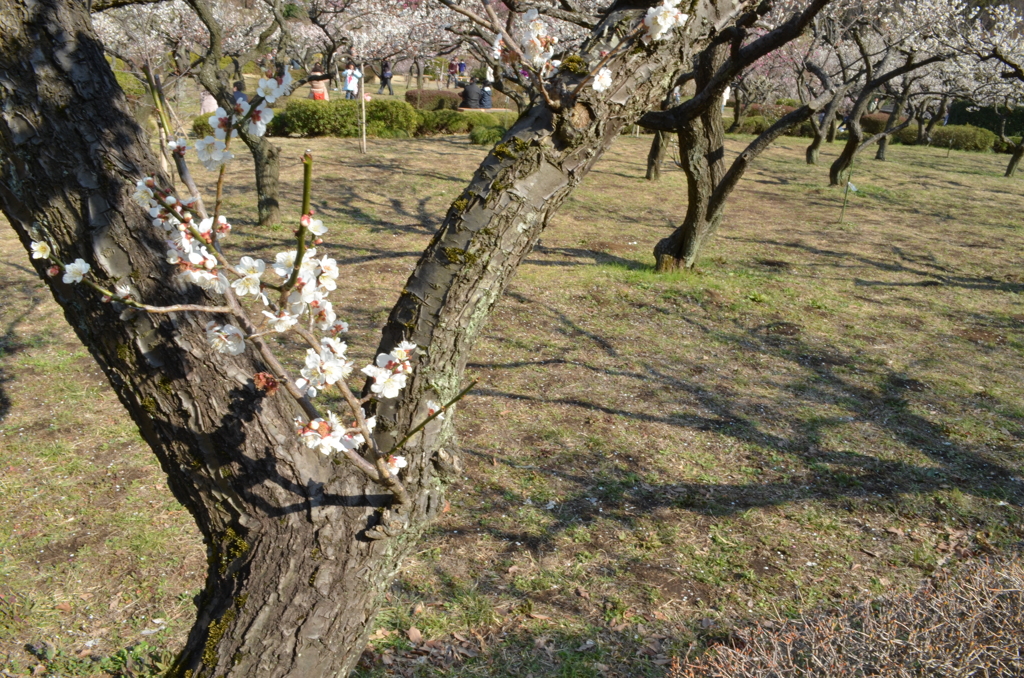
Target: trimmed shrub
(754, 124)
(487, 136)
(433, 99)
(804, 129)
(444, 121)
(792, 103)
(966, 113)
(390, 119)
(769, 111)
(963, 138)
(309, 118)
(201, 126)
(506, 118)
(1002, 147)
(479, 119)
(130, 85)
(873, 123)
(906, 136)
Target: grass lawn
(820, 412)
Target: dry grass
(971, 624)
(818, 414)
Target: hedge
(487, 136)
(384, 118)
(966, 113)
(873, 123)
(963, 138)
(433, 99)
(1001, 147)
(201, 126)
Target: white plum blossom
(663, 19)
(314, 226)
(144, 193)
(396, 463)
(251, 270)
(209, 281)
(223, 227)
(178, 145)
(221, 121)
(328, 274)
(272, 89)
(538, 46)
(322, 368)
(386, 383)
(225, 339)
(40, 250)
(318, 434)
(122, 290)
(75, 271)
(284, 262)
(403, 351)
(334, 345)
(261, 115)
(603, 80)
(433, 407)
(324, 315)
(280, 322)
(212, 153)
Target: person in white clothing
(351, 76)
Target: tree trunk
(656, 156)
(815, 147)
(939, 115)
(1018, 153)
(893, 121)
(300, 548)
(833, 127)
(737, 112)
(702, 155)
(266, 157)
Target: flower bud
(53, 271)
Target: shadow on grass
(836, 473)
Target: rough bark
(656, 156)
(822, 130)
(702, 156)
(893, 121)
(939, 115)
(300, 548)
(1018, 153)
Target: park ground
(819, 413)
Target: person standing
(318, 88)
(385, 78)
(351, 77)
(239, 94)
(207, 104)
(453, 74)
(462, 68)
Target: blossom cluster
(391, 370)
(330, 434)
(663, 19)
(538, 46)
(189, 243)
